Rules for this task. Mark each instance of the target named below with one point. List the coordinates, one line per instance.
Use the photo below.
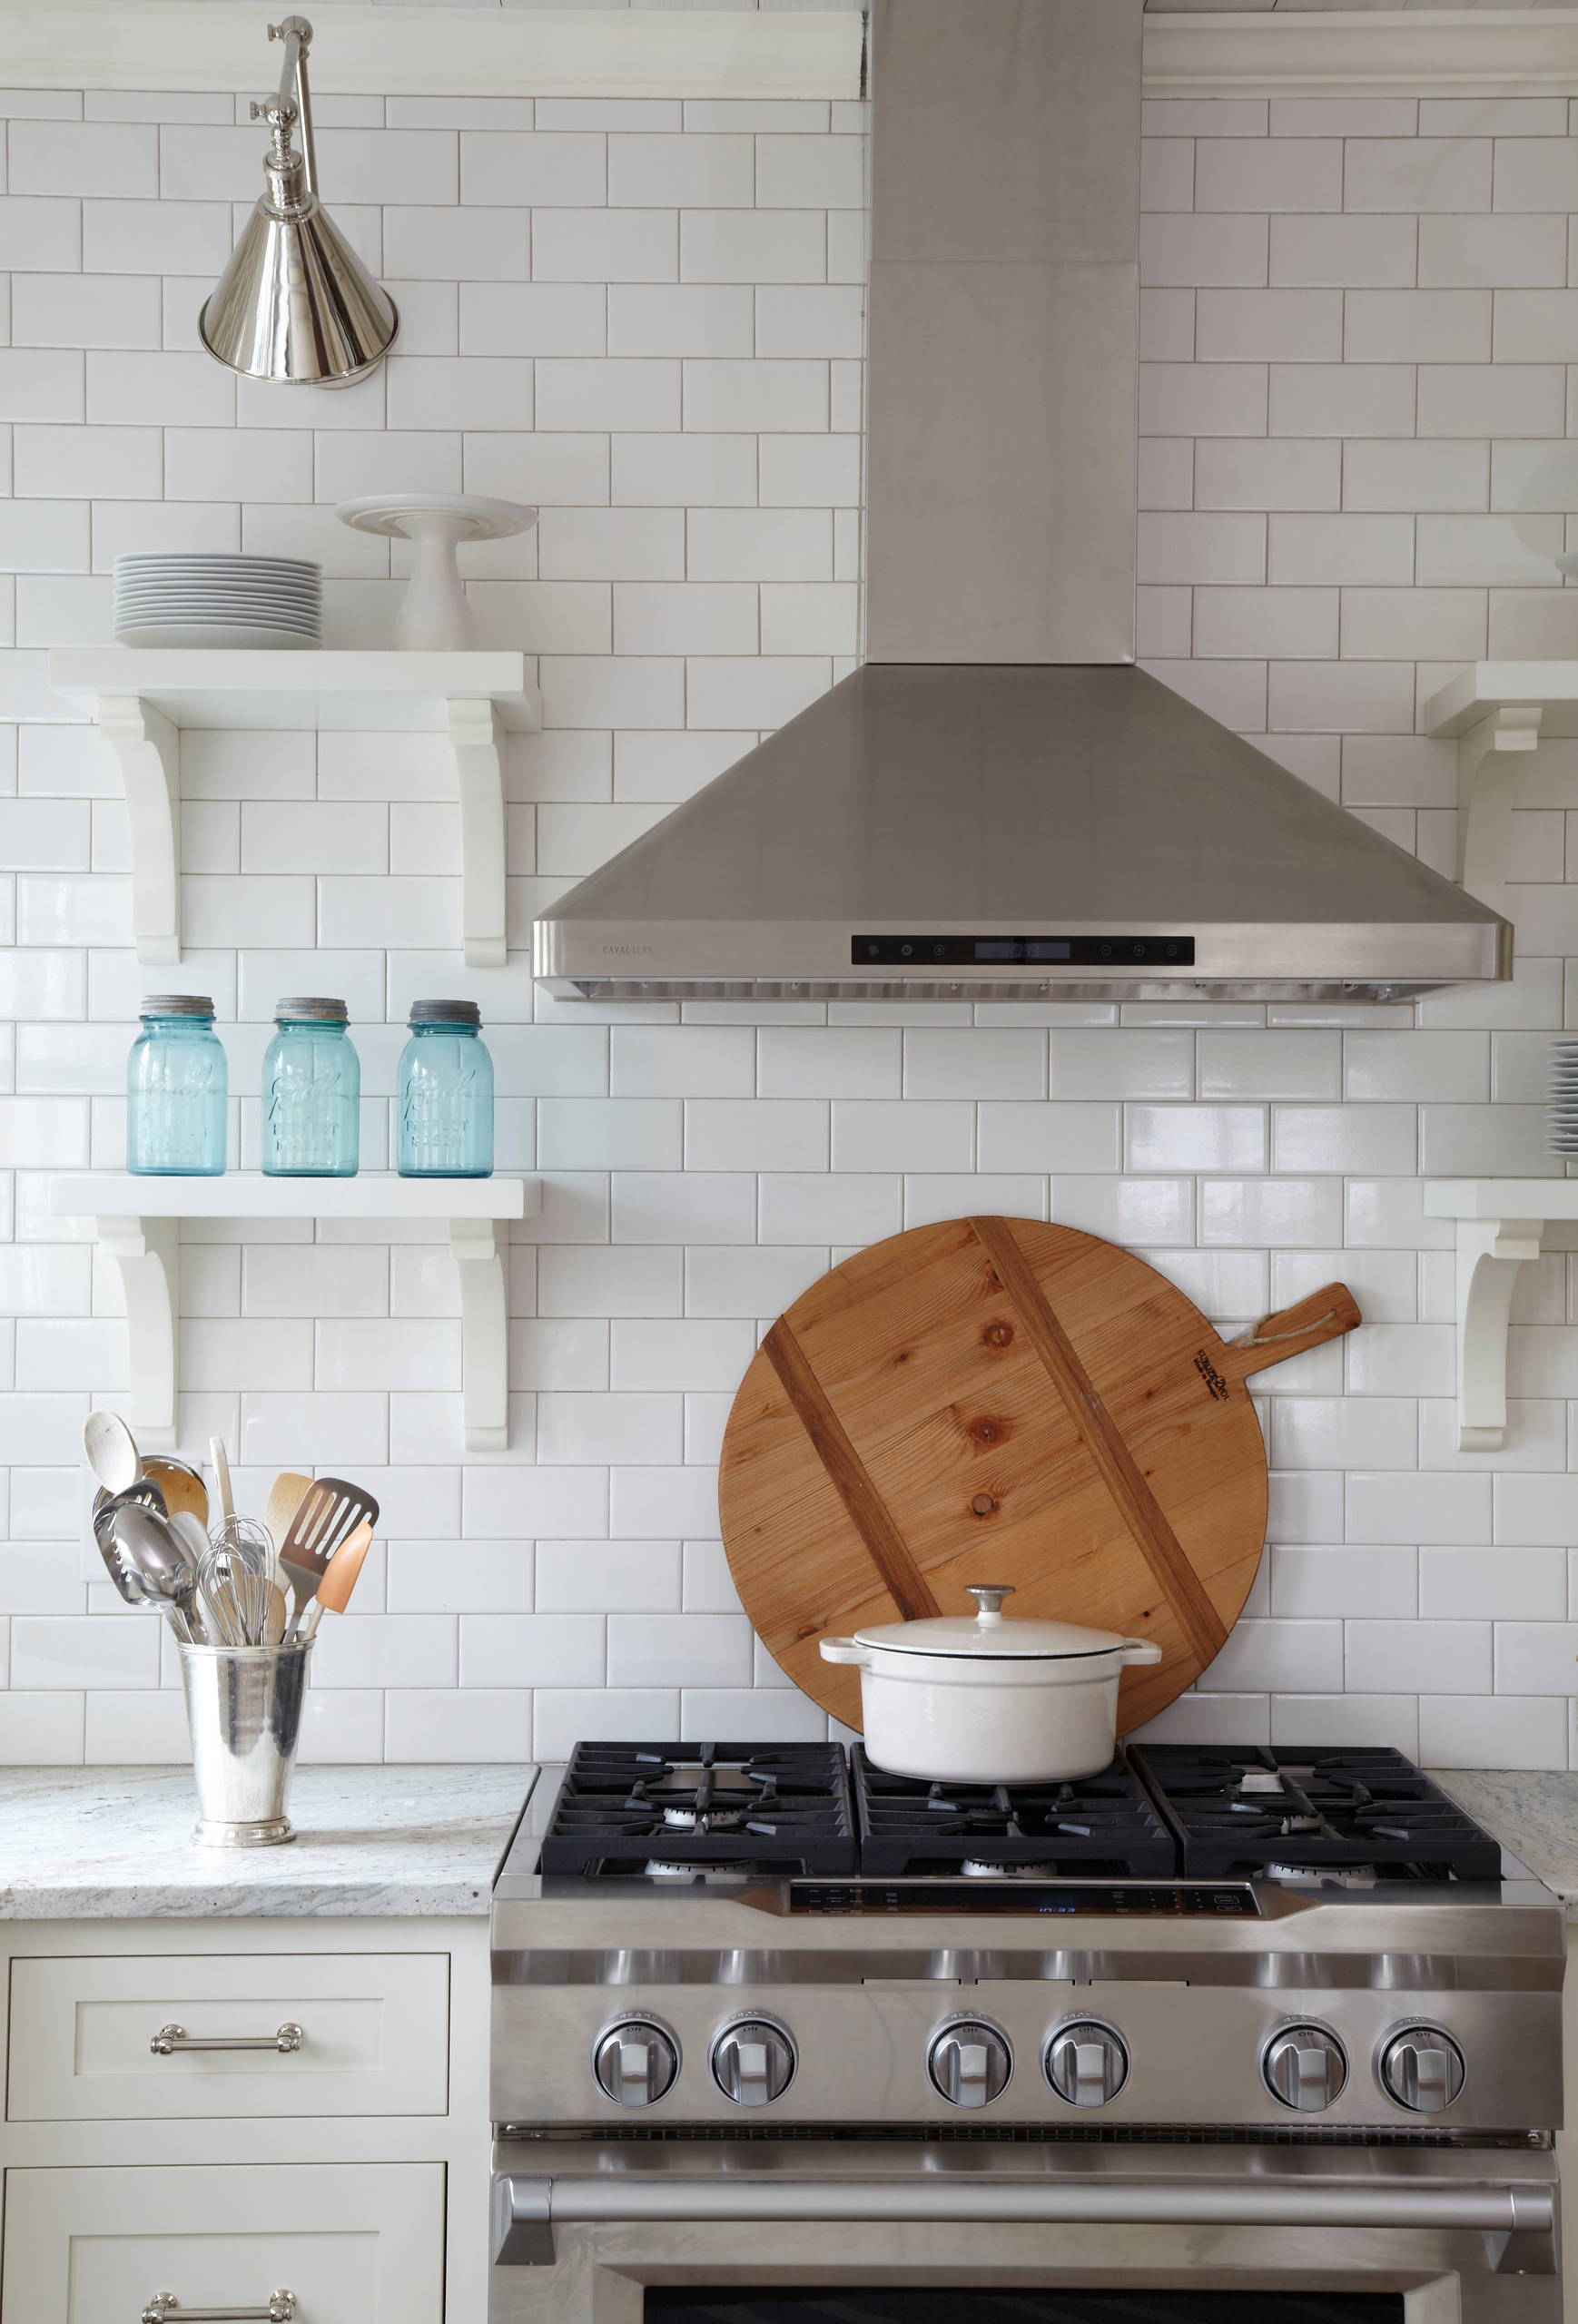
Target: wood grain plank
(1142, 1512)
(868, 1511)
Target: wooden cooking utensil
(286, 1495)
(339, 1577)
(1001, 1400)
(181, 1485)
(111, 1450)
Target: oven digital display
(1056, 1899)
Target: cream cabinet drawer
(352, 2243)
(373, 2035)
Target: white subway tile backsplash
(1266, 1654)
(641, 317)
(1198, 400)
(1373, 1139)
(1535, 1657)
(1343, 252)
(1496, 251)
(1284, 173)
(1261, 1211)
(1181, 247)
(1195, 1138)
(1461, 550)
(1241, 472)
(1500, 398)
(1499, 1584)
(1417, 326)
(1418, 173)
(605, 246)
(1342, 400)
(1310, 1582)
(1397, 1506)
(1492, 1732)
(1438, 1658)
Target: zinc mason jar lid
(445, 1012)
(175, 1004)
(311, 1012)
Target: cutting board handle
(1324, 1315)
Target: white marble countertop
(1534, 1814)
(378, 1843)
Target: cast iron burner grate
(1104, 1827)
(1308, 1809)
(773, 1808)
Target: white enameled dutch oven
(952, 1700)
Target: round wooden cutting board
(999, 1400)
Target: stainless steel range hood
(998, 804)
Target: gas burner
(783, 1808)
(1102, 1826)
(1292, 1812)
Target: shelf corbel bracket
(147, 1254)
(477, 740)
(476, 1248)
(1490, 1253)
(147, 748)
(1492, 760)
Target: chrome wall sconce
(296, 303)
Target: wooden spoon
(339, 1577)
(111, 1452)
(285, 1497)
(181, 1485)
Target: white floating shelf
(1499, 713)
(136, 1221)
(141, 699)
(1500, 1223)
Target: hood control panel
(1035, 952)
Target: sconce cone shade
(295, 304)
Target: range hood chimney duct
(998, 804)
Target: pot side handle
(845, 1649)
(1139, 1650)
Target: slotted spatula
(328, 1512)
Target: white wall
(648, 322)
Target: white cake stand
(434, 614)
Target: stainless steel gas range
(1254, 2035)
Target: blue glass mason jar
(446, 1094)
(311, 1093)
(176, 1088)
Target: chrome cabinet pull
(165, 2308)
(172, 2038)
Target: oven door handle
(1518, 2220)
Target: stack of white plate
(194, 600)
(1563, 1114)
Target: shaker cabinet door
(336, 2033)
(351, 2243)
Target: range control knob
(1305, 2068)
(969, 2061)
(1421, 2068)
(753, 2062)
(635, 2062)
(1086, 2062)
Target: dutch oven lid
(988, 1636)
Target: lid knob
(989, 1597)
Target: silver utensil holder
(243, 1708)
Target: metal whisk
(234, 1581)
